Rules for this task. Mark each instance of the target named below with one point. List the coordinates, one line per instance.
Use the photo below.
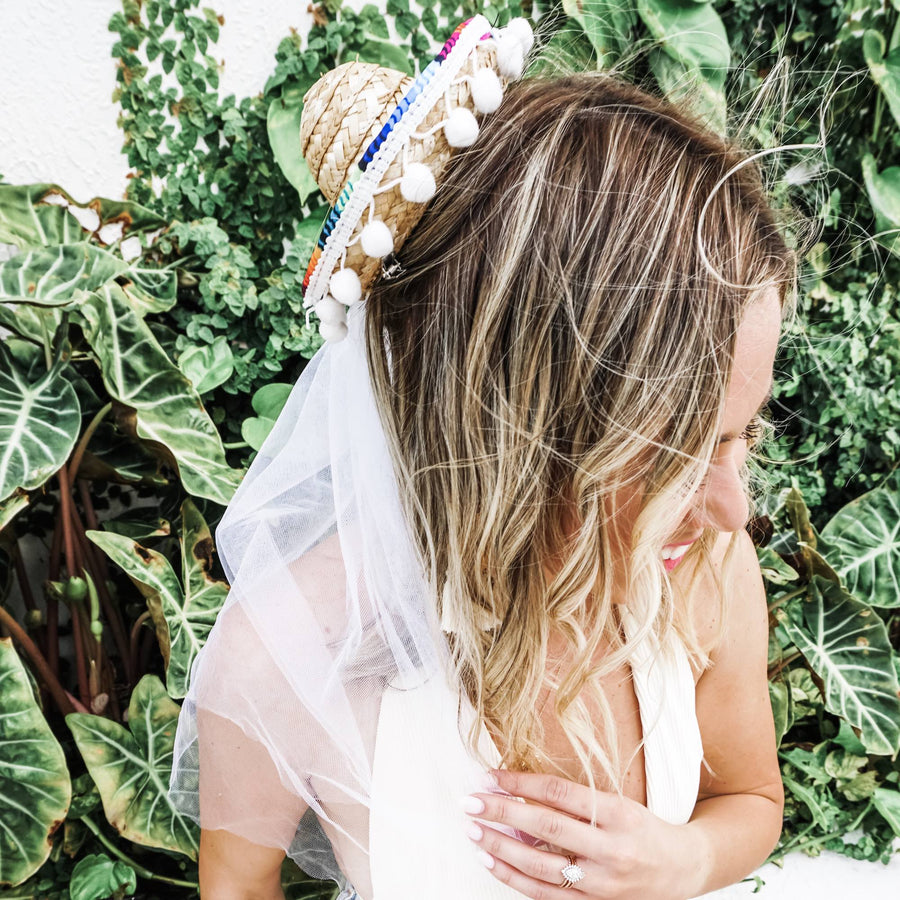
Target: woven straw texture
(344, 111)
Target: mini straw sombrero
(377, 142)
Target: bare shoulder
(727, 595)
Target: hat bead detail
(345, 287)
(510, 57)
(523, 32)
(329, 310)
(333, 332)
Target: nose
(721, 504)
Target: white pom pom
(331, 312)
(510, 58)
(345, 287)
(523, 31)
(417, 184)
(333, 332)
(376, 239)
(487, 92)
(461, 128)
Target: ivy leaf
(384, 53)
(131, 768)
(208, 365)
(268, 402)
(883, 189)
(34, 780)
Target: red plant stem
(65, 512)
(53, 602)
(22, 577)
(37, 659)
(84, 690)
(92, 555)
(90, 516)
(136, 633)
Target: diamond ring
(571, 872)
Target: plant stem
(52, 601)
(822, 838)
(85, 438)
(775, 604)
(138, 868)
(236, 445)
(783, 664)
(38, 661)
(136, 633)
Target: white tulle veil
(327, 606)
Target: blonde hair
(564, 330)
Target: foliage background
(195, 279)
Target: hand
(629, 854)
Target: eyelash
(753, 432)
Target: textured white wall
(57, 120)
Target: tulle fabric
(327, 606)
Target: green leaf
(864, 540)
(34, 780)
(131, 769)
(283, 126)
(779, 697)
(702, 94)
(883, 189)
(12, 506)
(818, 805)
(39, 423)
(97, 877)
(183, 617)
(137, 372)
(208, 365)
(847, 645)
(887, 802)
(53, 276)
(268, 402)
(384, 53)
(690, 33)
(45, 215)
(607, 24)
(884, 67)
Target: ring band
(571, 872)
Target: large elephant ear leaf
(40, 421)
(847, 645)
(864, 539)
(169, 412)
(151, 573)
(52, 276)
(35, 790)
(131, 769)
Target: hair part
(564, 332)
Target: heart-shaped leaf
(168, 411)
(847, 645)
(208, 365)
(268, 402)
(39, 423)
(131, 768)
(883, 189)
(864, 541)
(885, 68)
(97, 877)
(183, 617)
(607, 24)
(691, 33)
(34, 780)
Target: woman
(494, 548)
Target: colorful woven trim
(409, 99)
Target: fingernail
(486, 859)
(475, 832)
(490, 781)
(473, 805)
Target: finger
(540, 865)
(525, 884)
(540, 822)
(560, 793)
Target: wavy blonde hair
(564, 330)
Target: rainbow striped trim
(415, 93)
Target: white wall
(57, 119)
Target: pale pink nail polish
(475, 832)
(473, 805)
(486, 859)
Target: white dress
(417, 829)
